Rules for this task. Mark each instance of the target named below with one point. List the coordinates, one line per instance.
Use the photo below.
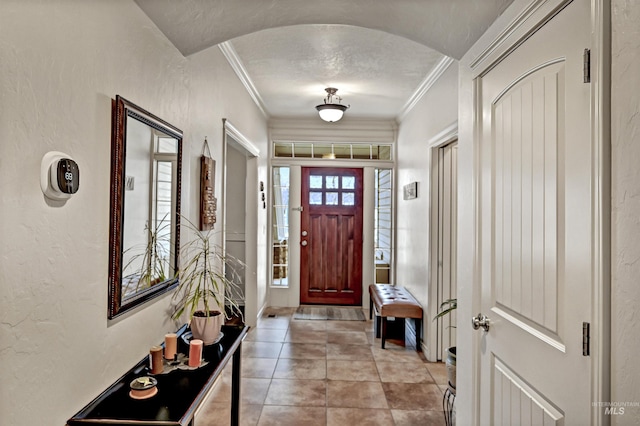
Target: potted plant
(208, 281)
(446, 308)
(146, 264)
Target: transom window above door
(346, 151)
(328, 190)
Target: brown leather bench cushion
(392, 301)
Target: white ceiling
(378, 53)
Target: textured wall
(61, 65)
(625, 145)
(436, 111)
(62, 62)
(216, 93)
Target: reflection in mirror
(145, 207)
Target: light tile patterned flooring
(306, 372)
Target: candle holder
(143, 387)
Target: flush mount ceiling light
(330, 111)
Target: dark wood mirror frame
(121, 110)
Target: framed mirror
(144, 240)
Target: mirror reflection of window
(150, 208)
(163, 204)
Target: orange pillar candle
(155, 358)
(170, 346)
(195, 353)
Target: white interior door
(235, 234)
(536, 212)
(447, 188)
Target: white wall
(62, 63)
(625, 146)
(216, 93)
(435, 112)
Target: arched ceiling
(376, 52)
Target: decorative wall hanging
(208, 201)
(410, 191)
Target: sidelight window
(280, 234)
(383, 229)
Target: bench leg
(377, 326)
(418, 324)
(384, 330)
(370, 307)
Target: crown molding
(238, 67)
(424, 86)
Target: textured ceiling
(375, 52)
(374, 72)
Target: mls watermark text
(615, 408)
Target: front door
(331, 236)
(536, 242)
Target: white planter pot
(451, 367)
(206, 328)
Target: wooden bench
(392, 301)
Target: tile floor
(305, 372)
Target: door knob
(304, 233)
(480, 321)
(304, 243)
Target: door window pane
(315, 198)
(283, 150)
(315, 181)
(332, 182)
(348, 199)
(332, 198)
(384, 152)
(321, 151)
(348, 182)
(362, 152)
(342, 151)
(302, 150)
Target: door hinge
(586, 65)
(585, 338)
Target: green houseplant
(209, 281)
(446, 308)
(148, 263)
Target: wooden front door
(331, 236)
(536, 228)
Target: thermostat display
(67, 176)
(59, 176)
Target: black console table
(180, 392)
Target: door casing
(234, 139)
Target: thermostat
(59, 176)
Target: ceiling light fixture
(330, 111)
